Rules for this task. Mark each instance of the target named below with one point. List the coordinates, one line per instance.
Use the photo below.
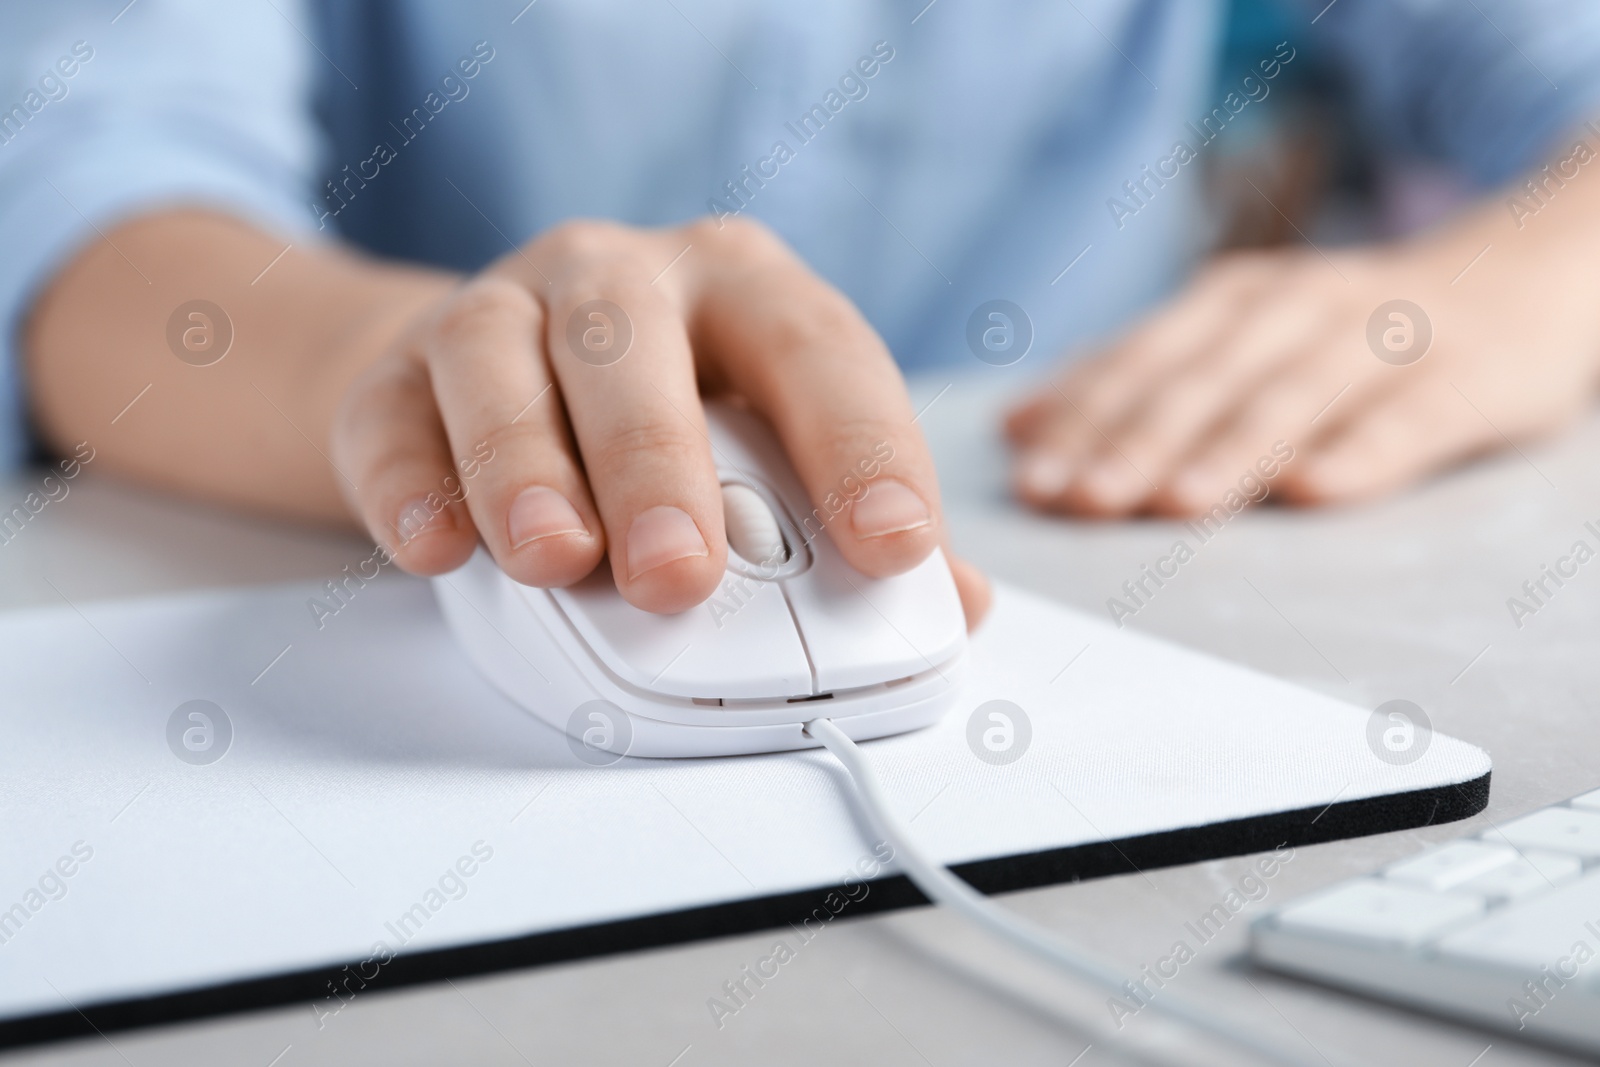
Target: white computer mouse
(792, 632)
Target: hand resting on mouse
(549, 407)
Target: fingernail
(418, 516)
(1043, 474)
(888, 507)
(660, 535)
(539, 512)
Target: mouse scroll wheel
(753, 530)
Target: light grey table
(1406, 598)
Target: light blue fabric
(988, 148)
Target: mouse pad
(231, 800)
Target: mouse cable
(942, 887)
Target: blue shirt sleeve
(1485, 86)
(108, 112)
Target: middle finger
(620, 351)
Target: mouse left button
(741, 644)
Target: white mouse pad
(352, 793)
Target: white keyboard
(1501, 929)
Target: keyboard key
(1589, 801)
(1553, 829)
(1531, 872)
(1531, 933)
(1375, 910)
(1449, 865)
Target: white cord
(942, 887)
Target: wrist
(1547, 218)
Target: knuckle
(649, 441)
(1171, 413)
(1099, 394)
(1302, 291)
(485, 306)
(523, 441)
(1278, 402)
(371, 400)
(738, 234)
(582, 240)
(1242, 265)
(864, 448)
(827, 325)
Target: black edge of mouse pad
(1097, 859)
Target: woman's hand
(551, 407)
(1329, 358)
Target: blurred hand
(1304, 351)
(557, 430)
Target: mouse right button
(862, 631)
